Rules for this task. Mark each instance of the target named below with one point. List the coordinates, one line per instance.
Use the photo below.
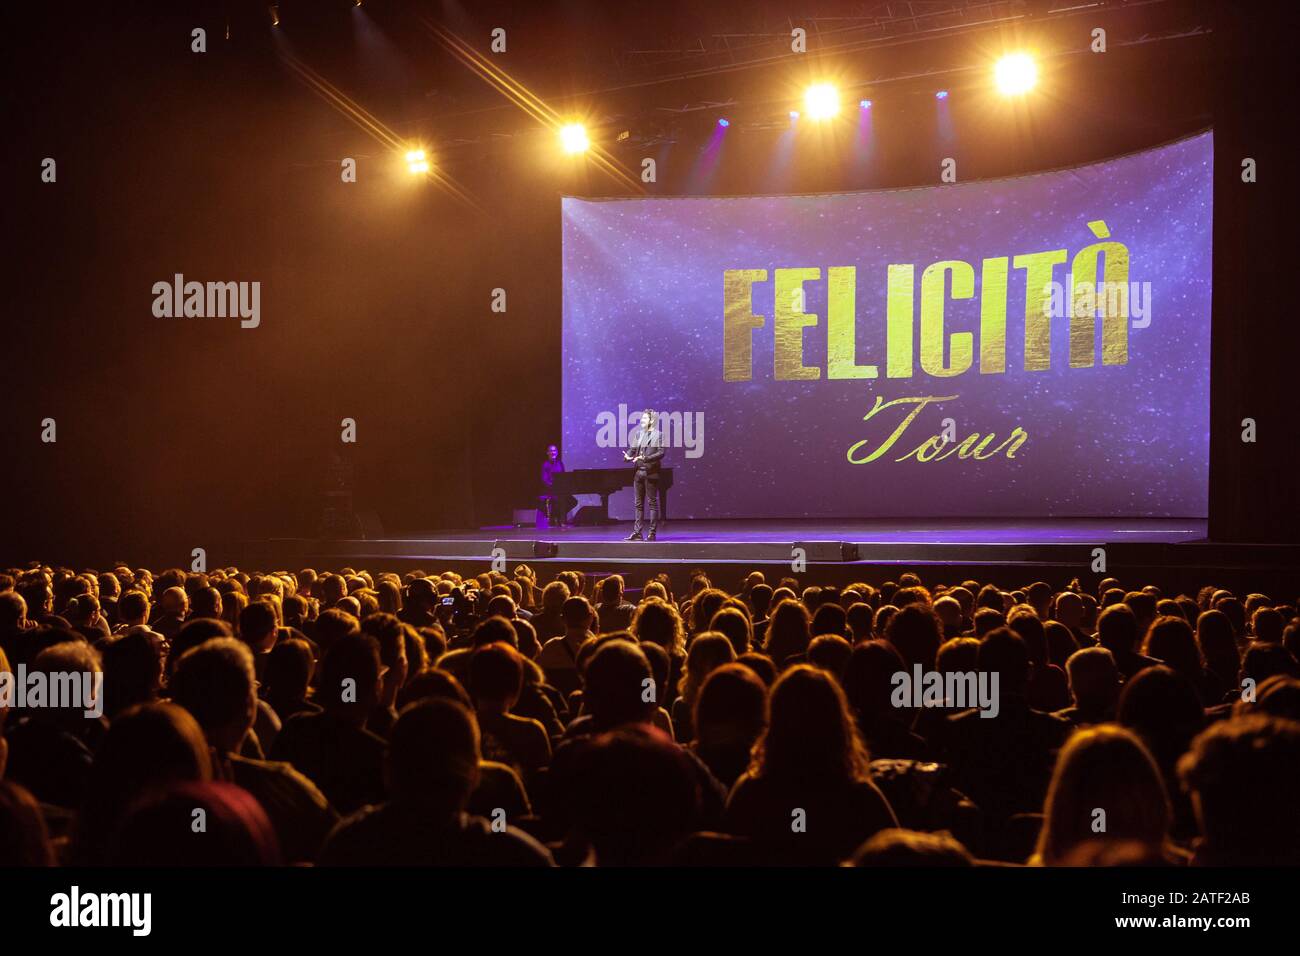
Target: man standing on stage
(647, 450)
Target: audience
(808, 792)
(215, 683)
(1106, 782)
(436, 719)
(432, 766)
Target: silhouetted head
(160, 830)
(1094, 679)
(133, 669)
(788, 632)
(148, 747)
(496, 676)
(289, 668)
(494, 630)
(708, 651)
(614, 685)
(658, 622)
(1170, 639)
(191, 635)
(636, 798)
(433, 755)
(1104, 778)
(577, 614)
(830, 619)
(911, 848)
(830, 652)
(215, 683)
(350, 674)
(1117, 629)
(810, 734)
(868, 677)
(1161, 706)
(611, 589)
(731, 707)
(1267, 624)
(1003, 652)
(1244, 777)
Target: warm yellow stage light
(1016, 74)
(821, 101)
(416, 161)
(573, 138)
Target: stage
(1173, 552)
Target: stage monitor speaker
(524, 517)
(825, 551)
(527, 549)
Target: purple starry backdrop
(643, 326)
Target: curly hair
(659, 623)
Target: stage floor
(1169, 551)
(879, 531)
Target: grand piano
(604, 482)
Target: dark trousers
(641, 484)
(555, 507)
(551, 509)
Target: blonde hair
(658, 622)
(1104, 768)
(709, 651)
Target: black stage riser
(1274, 569)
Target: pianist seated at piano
(555, 504)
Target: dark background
(176, 433)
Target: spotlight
(573, 138)
(274, 11)
(416, 161)
(822, 101)
(724, 122)
(1015, 74)
(941, 95)
(865, 104)
(794, 115)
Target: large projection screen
(1027, 347)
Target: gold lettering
(898, 332)
(789, 323)
(739, 322)
(880, 406)
(1038, 268)
(993, 316)
(1114, 302)
(933, 283)
(841, 325)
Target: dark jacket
(650, 447)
